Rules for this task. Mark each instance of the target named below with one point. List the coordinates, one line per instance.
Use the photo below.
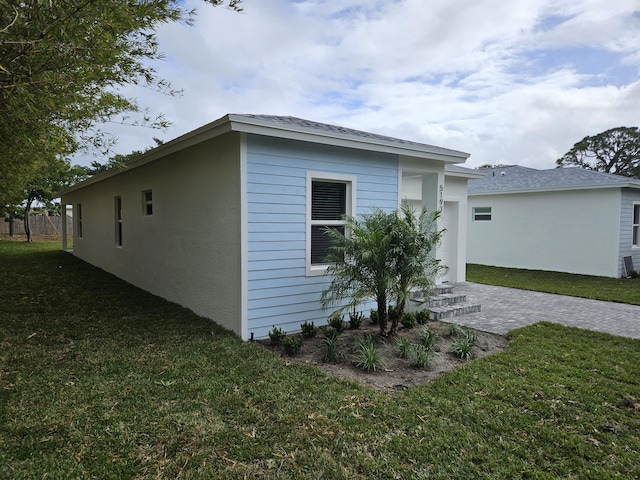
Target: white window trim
(79, 224)
(350, 180)
(490, 213)
(635, 246)
(118, 221)
(146, 202)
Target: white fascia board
(469, 175)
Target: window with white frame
(329, 199)
(636, 225)
(147, 203)
(481, 214)
(79, 219)
(118, 218)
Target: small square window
(147, 203)
(481, 214)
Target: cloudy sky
(515, 82)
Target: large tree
(616, 151)
(61, 63)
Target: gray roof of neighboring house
(515, 179)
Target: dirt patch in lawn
(397, 373)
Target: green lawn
(101, 380)
(622, 290)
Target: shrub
(308, 329)
(292, 345)
(426, 337)
(456, 330)
(403, 347)
(329, 348)
(423, 316)
(355, 319)
(335, 321)
(420, 355)
(374, 316)
(276, 335)
(408, 320)
(330, 332)
(366, 355)
(463, 346)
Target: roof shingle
(514, 178)
(335, 130)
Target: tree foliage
(381, 258)
(118, 161)
(616, 151)
(61, 63)
(42, 188)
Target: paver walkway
(504, 309)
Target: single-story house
(227, 220)
(562, 219)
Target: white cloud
(508, 82)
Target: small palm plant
(360, 265)
(416, 237)
(382, 256)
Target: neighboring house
(567, 220)
(227, 220)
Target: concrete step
(418, 295)
(444, 300)
(456, 310)
(441, 289)
(438, 300)
(442, 303)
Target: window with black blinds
(329, 200)
(328, 205)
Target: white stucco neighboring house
(227, 219)
(567, 220)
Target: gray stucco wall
(189, 250)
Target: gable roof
(517, 179)
(292, 128)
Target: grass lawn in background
(623, 290)
(99, 379)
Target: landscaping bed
(396, 373)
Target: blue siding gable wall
(278, 291)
